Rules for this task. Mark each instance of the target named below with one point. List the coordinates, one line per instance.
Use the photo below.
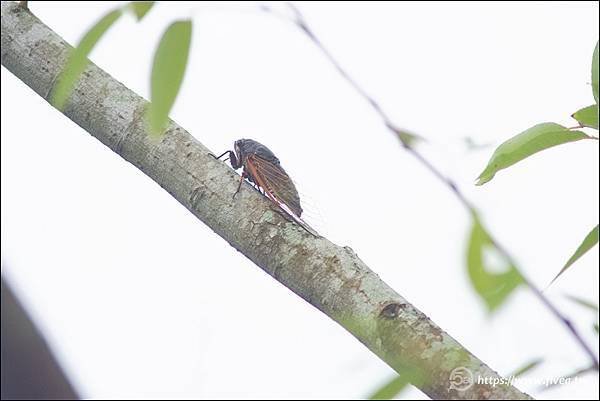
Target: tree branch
(330, 277)
(299, 21)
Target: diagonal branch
(299, 20)
(331, 278)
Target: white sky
(140, 299)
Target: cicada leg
(223, 154)
(254, 185)
(240, 184)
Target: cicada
(263, 169)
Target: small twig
(24, 4)
(299, 21)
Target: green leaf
(78, 61)
(170, 61)
(407, 138)
(595, 73)
(527, 367)
(391, 389)
(493, 287)
(588, 243)
(140, 8)
(586, 304)
(533, 140)
(587, 117)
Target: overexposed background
(139, 299)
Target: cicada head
(238, 147)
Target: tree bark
(331, 278)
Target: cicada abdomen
(262, 168)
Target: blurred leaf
(526, 368)
(471, 144)
(407, 138)
(587, 117)
(391, 389)
(170, 61)
(140, 8)
(588, 243)
(586, 304)
(595, 73)
(493, 288)
(78, 61)
(528, 142)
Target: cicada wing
(275, 182)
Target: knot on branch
(391, 311)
